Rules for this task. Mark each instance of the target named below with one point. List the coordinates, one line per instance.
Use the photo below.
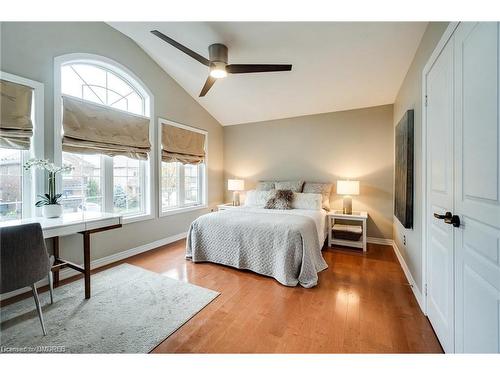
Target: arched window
(102, 183)
(100, 85)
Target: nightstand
(351, 229)
(226, 206)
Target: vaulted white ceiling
(336, 65)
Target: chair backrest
(23, 256)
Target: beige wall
(410, 97)
(28, 50)
(356, 144)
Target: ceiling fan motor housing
(217, 53)
(217, 62)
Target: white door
(440, 254)
(477, 193)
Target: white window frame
(203, 173)
(33, 180)
(136, 83)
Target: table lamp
(236, 186)
(347, 188)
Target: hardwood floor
(362, 304)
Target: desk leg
(86, 262)
(55, 245)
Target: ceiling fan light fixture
(218, 70)
(217, 62)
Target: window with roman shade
(183, 177)
(106, 135)
(16, 127)
(182, 145)
(21, 138)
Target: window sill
(134, 219)
(181, 210)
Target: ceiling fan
(217, 62)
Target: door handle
(449, 218)
(447, 215)
(454, 220)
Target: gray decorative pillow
(280, 200)
(323, 189)
(295, 186)
(265, 186)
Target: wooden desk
(84, 223)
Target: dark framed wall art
(403, 187)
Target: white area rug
(131, 311)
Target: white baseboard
(68, 272)
(404, 266)
(409, 277)
(406, 270)
(379, 241)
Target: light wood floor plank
(362, 304)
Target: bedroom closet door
(440, 247)
(463, 190)
(477, 192)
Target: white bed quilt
(285, 245)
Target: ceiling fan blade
(208, 84)
(256, 68)
(179, 46)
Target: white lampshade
(235, 185)
(345, 187)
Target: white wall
(410, 97)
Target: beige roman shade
(182, 145)
(94, 129)
(16, 127)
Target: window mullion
(26, 191)
(182, 202)
(201, 187)
(143, 183)
(107, 179)
(107, 93)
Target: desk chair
(24, 261)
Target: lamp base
(236, 198)
(347, 210)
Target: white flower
(46, 165)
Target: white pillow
(257, 198)
(319, 188)
(307, 201)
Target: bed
(283, 244)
